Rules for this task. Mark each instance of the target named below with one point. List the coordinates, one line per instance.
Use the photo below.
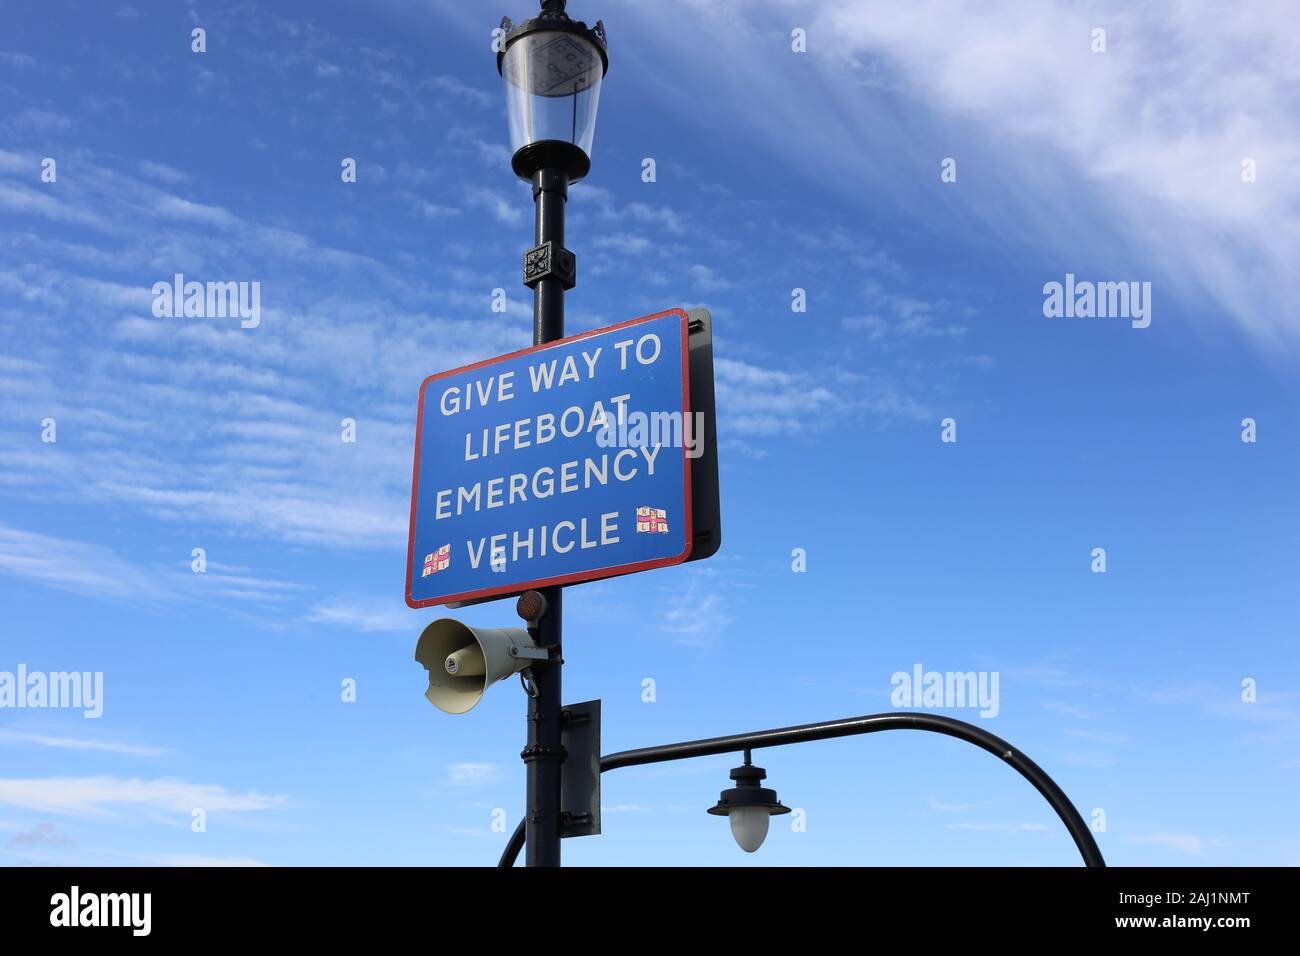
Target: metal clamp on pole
(549, 261)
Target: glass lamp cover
(552, 89)
(749, 826)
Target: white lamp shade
(749, 826)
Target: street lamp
(749, 806)
(553, 67)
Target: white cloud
(473, 774)
(911, 318)
(22, 199)
(431, 210)
(661, 216)
(72, 565)
(458, 91)
(94, 570)
(164, 173)
(623, 244)
(365, 616)
(1008, 828)
(261, 407)
(189, 860)
(936, 804)
(506, 210)
(1098, 736)
(76, 743)
(183, 210)
(697, 614)
(1124, 162)
(1068, 709)
(95, 796)
(1187, 843)
(41, 121)
(707, 279)
(758, 401)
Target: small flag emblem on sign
(653, 520)
(437, 561)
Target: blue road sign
(564, 462)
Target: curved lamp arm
(848, 727)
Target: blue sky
(776, 170)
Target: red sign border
(607, 572)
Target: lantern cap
(748, 793)
(552, 18)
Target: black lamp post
(749, 806)
(552, 67)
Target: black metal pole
(550, 195)
(543, 755)
(851, 726)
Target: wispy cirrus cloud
(1011, 829)
(188, 860)
(73, 566)
(1153, 131)
(498, 204)
(154, 395)
(473, 774)
(759, 401)
(1188, 843)
(363, 615)
(936, 804)
(38, 120)
(23, 737)
(98, 571)
(699, 613)
(98, 796)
